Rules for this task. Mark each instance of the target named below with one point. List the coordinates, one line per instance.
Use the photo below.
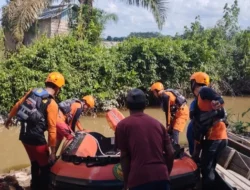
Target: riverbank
(14, 157)
(23, 176)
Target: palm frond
(18, 16)
(157, 7)
(105, 17)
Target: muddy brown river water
(13, 155)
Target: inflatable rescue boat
(91, 162)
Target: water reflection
(13, 155)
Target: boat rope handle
(99, 147)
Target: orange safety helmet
(200, 78)
(89, 100)
(157, 86)
(56, 78)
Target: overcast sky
(180, 13)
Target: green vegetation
(135, 34)
(90, 68)
(237, 126)
(17, 25)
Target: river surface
(13, 155)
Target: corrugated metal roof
(54, 11)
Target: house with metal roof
(55, 20)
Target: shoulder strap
(45, 100)
(176, 93)
(180, 99)
(65, 106)
(79, 101)
(41, 92)
(76, 118)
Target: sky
(180, 13)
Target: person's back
(146, 138)
(146, 150)
(76, 111)
(178, 111)
(38, 111)
(73, 108)
(68, 117)
(174, 105)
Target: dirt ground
(23, 176)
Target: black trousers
(174, 135)
(39, 176)
(211, 152)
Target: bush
(108, 73)
(88, 70)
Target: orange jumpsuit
(176, 116)
(66, 124)
(219, 130)
(179, 119)
(35, 144)
(214, 131)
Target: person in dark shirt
(146, 151)
(198, 80)
(210, 129)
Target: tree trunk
(86, 2)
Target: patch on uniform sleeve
(117, 171)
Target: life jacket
(171, 109)
(65, 107)
(179, 101)
(31, 110)
(206, 118)
(32, 114)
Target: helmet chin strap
(193, 86)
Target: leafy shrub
(88, 69)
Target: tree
(157, 7)
(229, 23)
(91, 22)
(145, 34)
(19, 15)
(195, 30)
(109, 38)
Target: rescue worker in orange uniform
(204, 80)
(175, 107)
(68, 117)
(37, 111)
(210, 128)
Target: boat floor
(234, 179)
